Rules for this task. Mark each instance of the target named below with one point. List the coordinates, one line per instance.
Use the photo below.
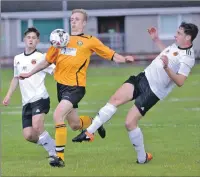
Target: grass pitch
(171, 132)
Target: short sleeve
(100, 49)
(52, 54)
(187, 62)
(16, 72)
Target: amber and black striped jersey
(72, 62)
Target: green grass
(171, 132)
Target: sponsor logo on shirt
(69, 51)
(24, 68)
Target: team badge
(33, 61)
(175, 53)
(79, 43)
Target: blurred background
(122, 25)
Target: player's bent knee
(28, 137)
(131, 124)
(115, 100)
(75, 127)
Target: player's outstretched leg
(86, 121)
(103, 116)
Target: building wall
(92, 26)
(196, 20)
(137, 39)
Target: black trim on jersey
(86, 36)
(30, 53)
(112, 56)
(185, 48)
(188, 52)
(82, 35)
(79, 71)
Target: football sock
(47, 142)
(136, 138)
(61, 139)
(85, 121)
(103, 116)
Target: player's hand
(6, 101)
(153, 33)
(129, 59)
(24, 76)
(165, 61)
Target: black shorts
(31, 109)
(74, 94)
(143, 95)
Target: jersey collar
(185, 48)
(30, 53)
(78, 34)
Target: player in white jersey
(35, 98)
(171, 67)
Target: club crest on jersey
(79, 43)
(175, 53)
(33, 61)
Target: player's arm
(154, 36)
(105, 52)
(50, 58)
(13, 86)
(180, 77)
(42, 65)
(121, 59)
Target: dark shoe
(55, 161)
(102, 132)
(83, 136)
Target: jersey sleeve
(100, 49)
(16, 72)
(52, 54)
(186, 64)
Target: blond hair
(82, 11)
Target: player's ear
(188, 37)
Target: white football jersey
(32, 88)
(181, 61)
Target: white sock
(103, 116)
(136, 138)
(48, 143)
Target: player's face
(31, 40)
(77, 22)
(180, 37)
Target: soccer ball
(59, 38)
